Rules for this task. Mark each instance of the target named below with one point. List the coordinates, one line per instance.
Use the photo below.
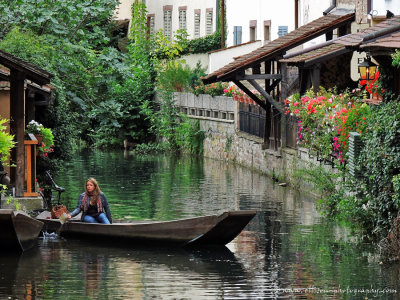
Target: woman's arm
(77, 210)
(106, 207)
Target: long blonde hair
(97, 191)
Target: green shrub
(380, 163)
(6, 142)
(204, 44)
(176, 77)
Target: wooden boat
(198, 231)
(18, 230)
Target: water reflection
(77, 270)
(286, 252)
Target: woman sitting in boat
(92, 203)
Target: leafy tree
(82, 22)
(98, 89)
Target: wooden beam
(251, 94)
(257, 69)
(277, 105)
(17, 125)
(258, 76)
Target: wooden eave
(32, 72)
(279, 46)
(312, 57)
(385, 28)
(386, 43)
(380, 39)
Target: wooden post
(316, 77)
(30, 150)
(284, 95)
(17, 125)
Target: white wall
(239, 13)
(192, 60)
(311, 10)
(124, 10)
(281, 13)
(218, 59)
(156, 7)
(380, 6)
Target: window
(182, 17)
(197, 23)
(253, 32)
(168, 21)
(282, 30)
(209, 21)
(150, 24)
(267, 30)
(237, 35)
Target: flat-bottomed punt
(198, 231)
(18, 231)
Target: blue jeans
(101, 218)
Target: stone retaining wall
(218, 118)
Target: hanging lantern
(367, 69)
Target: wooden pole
(17, 125)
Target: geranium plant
(213, 89)
(374, 86)
(325, 120)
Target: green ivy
(379, 162)
(204, 44)
(396, 58)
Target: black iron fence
(252, 119)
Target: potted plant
(43, 135)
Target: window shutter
(197, 25)
(282, 30)
(151, 25)
(167, 23)
(182, 19)
(237, 35)
(209, 22)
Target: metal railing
(252, 123)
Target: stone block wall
(223, 140)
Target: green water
(288, 251)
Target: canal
(288, 251)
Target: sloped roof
(32, 72)
(310, 56)
(385, 34)
(280, 45)
(388, 41)
(386, 27)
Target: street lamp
(367, 69)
